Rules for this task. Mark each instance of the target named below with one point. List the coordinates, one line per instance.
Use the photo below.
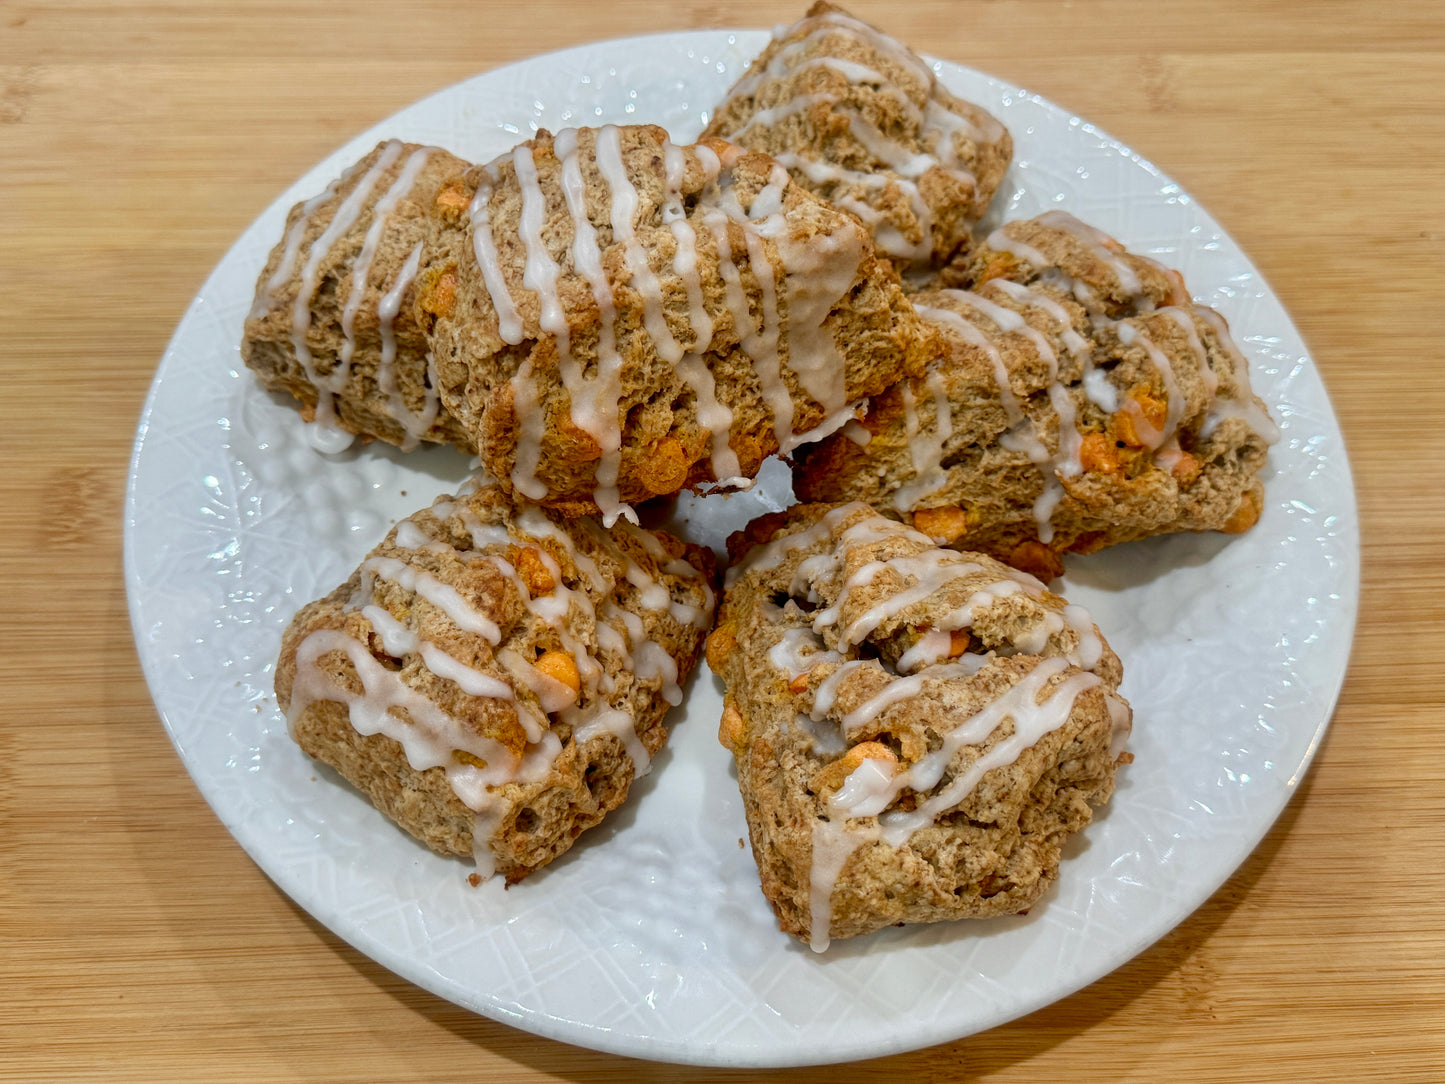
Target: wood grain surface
(138, 139)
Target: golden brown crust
(738, 301)
(864, 665)
(862, 121)
(1161, 431)
(492, 667)
(367, 386)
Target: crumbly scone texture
(863, 122)
(493, 677)
(849, 641)
(629, 317)
(1081, 400)
(369, 238)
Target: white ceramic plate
(650, 938)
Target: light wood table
(137, 140)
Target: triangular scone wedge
(494, 677)
(632, 317)
(917, 731)
(333, 322)
(1082, 400)
(861, 120)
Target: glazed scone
(333, 322)
(631, 317)
(1082, 400)
(494, 677)
(862, 121)
(917, 731)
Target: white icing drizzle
(711, 413)
(1076, 344)
(974, 337)
(624, 211)
(816, 275)
(762, 347)
(595, 402)
(1021, 436)
(539, 275)
(444, 597)
(834, 842)
(1130, 333)
(427, 733)
(760, 341)
(803, 281)
(389, 305)
(1100, 392)
(291, 246)
(324, 432)
(1242, 404)
(930, 570)
(809, 30)
(1096, 384)
(799, 652)
(415, 424)
(553, 608)
(1065, 460)
(399, 640)
(1185, 320)
(903, 162)
(936, 125)
(552, 694)
(889, 238)
(769, 556)
(1000, 241)
(484, 248)
(1121, 719)
(621, 726)
(825, 738)
(685, 614)
(1090, 649)
(1010, 322)
(1102, 245)
(765, 118)
(899, 689)
(533, 521)
(932, 646)
(870, 788)
(1031, 720)
(826, 694)
(540, 271)
(867, 792)
(858, 433)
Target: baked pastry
(631, 317)
(917, 731)
(1082, 400)
(333, 321)
(494, 677)
(861, 120)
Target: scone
(862, 121)
(1082, 400)
(333, 322)
(494, 677)
(631, 317)
(917, 731)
